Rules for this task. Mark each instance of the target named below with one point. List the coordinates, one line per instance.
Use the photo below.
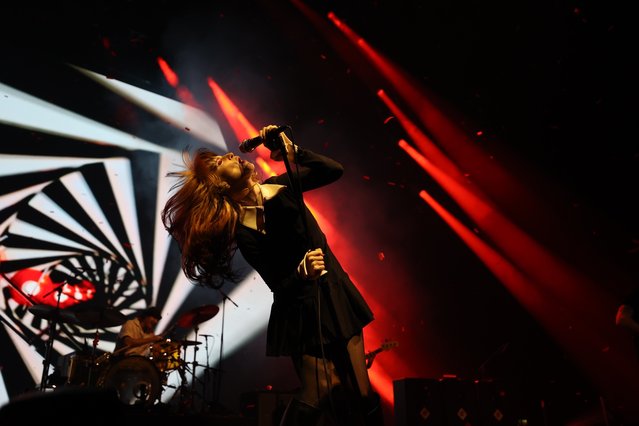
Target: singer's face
(232, 169)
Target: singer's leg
(317, 376)
(351, 365)
(304, 408)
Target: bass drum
(136, 380)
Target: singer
(317, 315)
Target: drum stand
(191, 400)
(96, 340)
(47, 354)
(187, 392)
(195, 364)
(218, 382)
(190, 320)
(181, 389)
(194, 378)
(53, 325)
(207, 376)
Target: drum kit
(138, 380)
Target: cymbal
(198, 315)
(50, 313)
(107, 317)
(188, 342)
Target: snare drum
(165, 355)
(136, 380)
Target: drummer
(137, 335)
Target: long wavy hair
(201, 217)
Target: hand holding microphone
(312, 265)
(268, 135)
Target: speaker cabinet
(418, 402)
(460, 402)
(498, 405)
(454, 402)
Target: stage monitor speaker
(498, 404)
(460, 402)
(418, 402)
(451, 402)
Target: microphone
(248, 145)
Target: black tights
(336, 380)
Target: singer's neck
(253, 196)
(258, 193)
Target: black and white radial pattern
(83, 228)
(80, 227)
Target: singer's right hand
(313, 265)
(276, 154)
(266, 129)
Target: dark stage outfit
(276, 254)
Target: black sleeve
(277, 278)
(315, 171)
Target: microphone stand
(297, 190)
(299, 195)
(53, 324)
(217, 390)
(207, 371)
